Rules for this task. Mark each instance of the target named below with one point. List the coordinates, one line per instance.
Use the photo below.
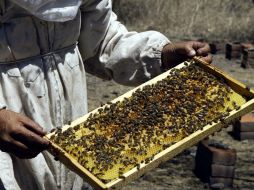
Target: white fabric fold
(51, 10)
(2, 106)
(110, 51)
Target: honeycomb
(124, 134)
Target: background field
(181, 19)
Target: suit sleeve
(110, 51)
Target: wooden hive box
(233, 50)
(179, 144)
(248, 58)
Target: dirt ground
(177, 173)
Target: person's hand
(20, 136)
(176, 53)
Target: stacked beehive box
(215, 164)
(233, 50)
(217, 47)
(244, 129)
(247, 45)
(248, 58)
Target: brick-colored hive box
(248, 58)
(244, 128)
(215, 163)
(233, 50)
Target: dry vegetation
(181, 19)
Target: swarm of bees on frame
(125, 134)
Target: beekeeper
(46, 47)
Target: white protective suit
(45, 48)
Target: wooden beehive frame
(168, 153)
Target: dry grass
(181, 19)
